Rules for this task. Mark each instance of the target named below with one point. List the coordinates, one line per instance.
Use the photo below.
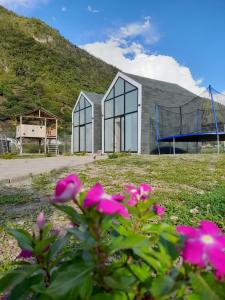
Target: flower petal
(187, 231)
(209, 228)
(108, 207)
(67, 188)
(216, 258)
(193, 252)
(94, 195)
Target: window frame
(123, 115)
(77, 111)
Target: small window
(76, 139)
(131, 132)
(110, 96)
(87, 104)
(82, 117)
(88, 137)
(131, 101)
(77, 107)
(82, 102)
(76, 119)
(119, 105)
(82, 139)
(88, 114)
(119, 87)
(129, 87)
(109, 135)
(109, 109)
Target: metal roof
(94, 97)
(162, 92)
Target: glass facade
(121, 118)
(82, 130)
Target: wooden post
(21, 138)
(45, 136)
(56, 134)
(39, 150)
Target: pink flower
(67, 189)
(41, 220)
(25, 254)
(140, 193)
(106, 204)
(159, 210)
(205, 244)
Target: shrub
(115, 247)
(113, 155)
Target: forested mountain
(38, 67)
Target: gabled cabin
(86, 123)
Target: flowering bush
(116, 247)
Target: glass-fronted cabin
(86, 128)
(121, 119)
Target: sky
(179, 41)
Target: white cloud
(63, 9)
(15, 4)
(92, 10)
(144, 29)
(130, 55)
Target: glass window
(89, 138)
(76, 119)
(109, 109)
(76, 139)
(88, 114)
(82, 120)
(77, 107)
(131, 132)
(82, 138)
(122, 134)
(119, 87)
(110, 96)
(129, 87)
(131, 101)
(119, 105)
(82, 102)
(109, 135)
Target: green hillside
(38, 67)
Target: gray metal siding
(97, 128)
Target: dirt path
(20, 169)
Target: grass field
(191, 187)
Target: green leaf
(42, 245)
(8, 280)
(72, 277)
(140, 271)
(14, 278)
(71, 212)
(82, 236)
(57, 246)
(86, 288)
(121, 279)
(162, 286)
(207, 287)
(22, 290)
(110, 296)
(193, 297)
(23, 238)
(130, 242)
(151, 261)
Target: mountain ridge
(39, 67)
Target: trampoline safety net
(204, 115)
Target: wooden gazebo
(38, 124)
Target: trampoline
(199, 120)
